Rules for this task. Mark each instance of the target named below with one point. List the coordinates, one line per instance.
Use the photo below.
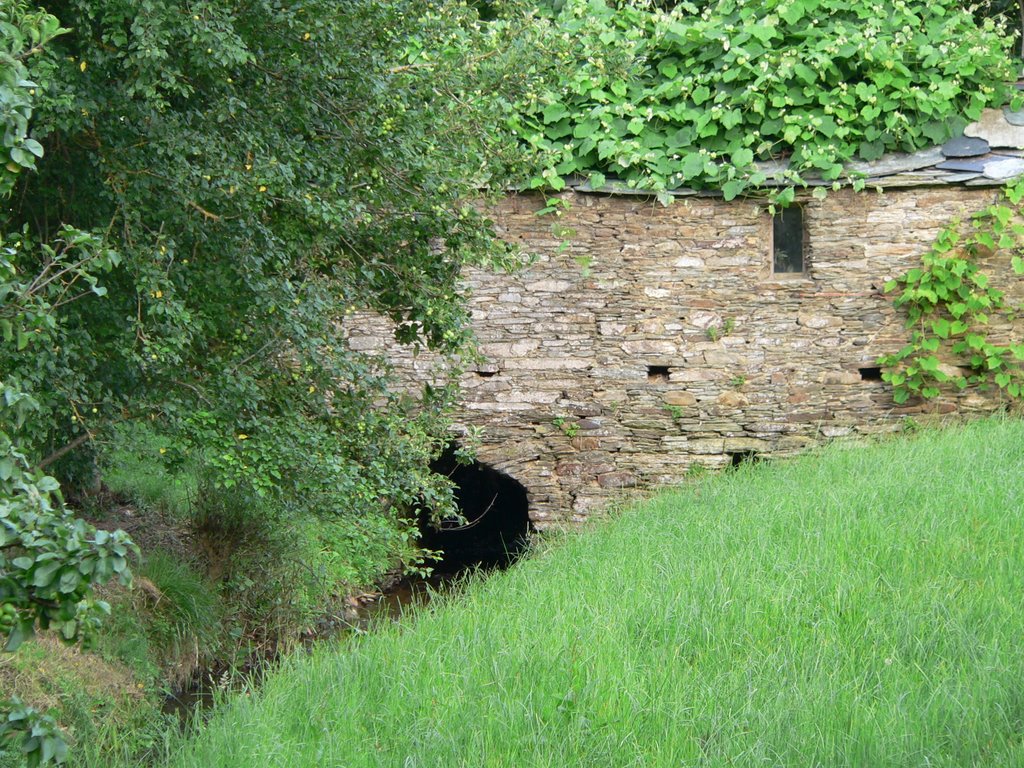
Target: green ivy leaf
(733, 188)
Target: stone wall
(658, 338)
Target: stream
(358, 616)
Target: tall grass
(857, 608)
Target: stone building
(646, 340)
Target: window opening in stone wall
(657, 373)
(870, 374)
(788, 238)
(486, 374)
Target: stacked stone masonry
(645, 340)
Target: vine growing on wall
(950, 303)
(695, 96)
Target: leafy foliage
(32, 733)
(50, 559)
(49, 563)
(241, 176)
(25, 32)
(694, 96)
(949, 301)
(1008, 12)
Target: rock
(835, 431)
(1008, 168)
(813, 321)
(704, 320)
(549, 286)
(617, 480)
(652, 347)
(840, 377)
(569, 468)
(965, 146)
(898, 162)
(1013, 118)
(744, 444)
(732, 400)
(681, 399)
(994, 128)
(970, 165)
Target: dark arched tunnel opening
(496, 525)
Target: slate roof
(989, 153)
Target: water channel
(493, 529)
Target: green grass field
(859, 607)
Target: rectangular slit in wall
(788, 241)
(871, 373)
(486, 374)
(657, 373)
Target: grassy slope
(858, 608)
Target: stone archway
(496, 511)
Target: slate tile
(965, 146)
(1007, 168)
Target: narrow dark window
(870, 374)
(486, 374)
(788, 241)
(657, 373)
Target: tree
(241, 174)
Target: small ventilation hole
(657, 373)
(486, 374)
(870, 374)
(742, 458)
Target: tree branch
(61, 452)
(206, 213)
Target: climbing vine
(696, 95)
(949, 304)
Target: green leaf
(22, 631)
(554, 113)
(742, 157)
(793, 12)
(692, 165)
(805, 73)
(871, 150)
(668, 69)
(733, 188)
(43, 574)
(33, 146)
(941, 327)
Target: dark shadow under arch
(497, 523)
